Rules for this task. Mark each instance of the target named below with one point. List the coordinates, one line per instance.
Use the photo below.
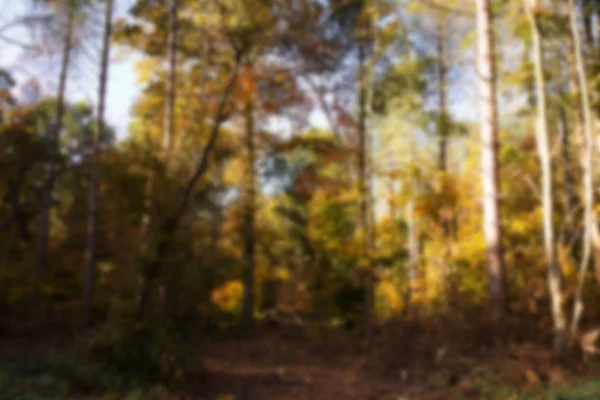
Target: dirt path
(291, 365)
(276, 366)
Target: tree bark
(555, 279)
(587, 18)
(489, 159)
(217, 213)
(578, 130)
(450, 277)
(587, 164)
(249, 230)
(563, 127)
(171, 84)
(363, 187)
(413, 249)
(442, 123)
(54, 143)
(167, 289)
(93, 212)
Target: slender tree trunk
(395, 245)
(92, 242)
(597, 14)
(393, 216)
(363, 187)
(563, 127)
(370, 184)
(587, 18)
(371, 201)
(171, 88)
(450, 277)
(578, 130)
(413, 248)
(554, 270)
(54, 142)
(414, 242)
(249, 233)
(489, 158)
(167, 289)
(217, 217)
(442, 123)
(587, 164)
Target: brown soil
(289, 363)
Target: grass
(582, 390)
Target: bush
(140, 354)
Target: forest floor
(285, 364)
(417, 361)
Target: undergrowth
(140, 362)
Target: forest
(307, 199)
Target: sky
(83, 82)
(83, 76)
(122, 85)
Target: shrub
(141, 353)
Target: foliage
(140, 355)
(330, 232)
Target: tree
(533, 11)
(167, 290)
(249, 193)
(54, 140)
(170, 223)
(94, 205)
(489, 157)
(590, 228)
(169, 129)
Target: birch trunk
(587, 166)
(554, 271)
(489, 158)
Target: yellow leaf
(532, 377)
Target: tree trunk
(597, 14)
(554, 270)
(370, 186)
(393, 216)
(414, 242)
(54, 142)
(249, 205)
(448, 272)
(489, 159)
(168, 289)
(413, 248)
(217, 216)
(171, 84)
(563, 127)
(90, 268)
(363, 195)
(587, 18)
(442, 123)
(587, 164)
(578, 129)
